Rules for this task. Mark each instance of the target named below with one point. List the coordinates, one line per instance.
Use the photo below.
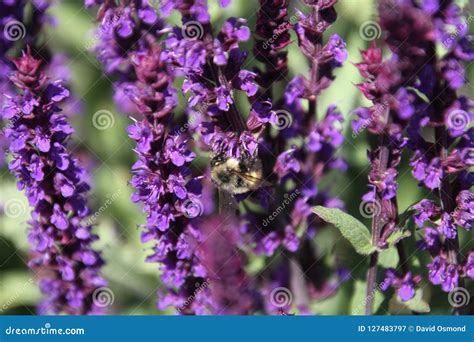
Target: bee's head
(217, 159)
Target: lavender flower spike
(229, 290)
(162, 176)
(444, 165)
(66, 264)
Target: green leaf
(388, 258)
(351, 228)
(421, 95)
(416, 304)
(360, 298)
(397, 236)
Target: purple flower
(229, 287)
(469, 265)
(463, 215)
(189, 9)
(272, 37)
(431, 240)
(286, 163)
(447, 227)
(425, 210)
(443, 273)
(404, 285)
(163, 183)
(55, 187)
(439, 166)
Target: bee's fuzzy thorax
(236, 175)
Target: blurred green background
(108, 156)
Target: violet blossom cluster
(299, 168)
(414, 92)
(163, 180)
(231, 289)
(213, 70)
(66, 264)
(272, 37)
(63, 276)
(385, 119)
(19, 31)
(440, 164)
(11, 17)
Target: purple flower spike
(441, 167)
(230, 291)
(67, 266)
(404, 285)
(163, 182)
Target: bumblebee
(236, 175)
